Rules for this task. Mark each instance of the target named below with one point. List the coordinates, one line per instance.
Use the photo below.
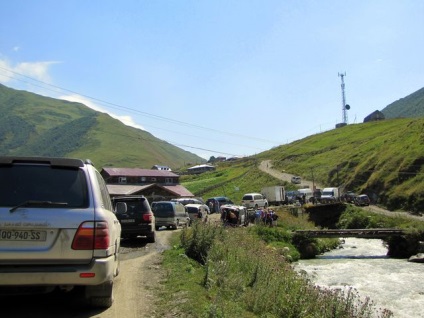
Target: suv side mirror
(121, 207)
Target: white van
(254, 201)
(170, 214)
(306, 193)
(196, 211)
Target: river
(394, 284)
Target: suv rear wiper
(38, 204)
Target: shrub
(245, 277)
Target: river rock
(419, 258)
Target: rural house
(158, 167)
(155, 185)
(200, 169)
(377, 115)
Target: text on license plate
(127, 221)
(22, 235)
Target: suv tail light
(148, 217)
(91, 235)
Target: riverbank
(214, 271)
(362, 264)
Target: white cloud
(35, 70)
(16, 48)
(125, 119)
(39, 71)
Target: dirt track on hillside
(266, 166)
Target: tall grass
(242, 276)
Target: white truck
(276, 195)
(330, 195)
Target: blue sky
(217, 78)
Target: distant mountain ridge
(34, 125)
(409, 106)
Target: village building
(377, 115)
(158, 167)
(200, 169)
(154, 184)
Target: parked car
(185, 201)
(197, 211)
(296, 180)
(170, 214)
(349, 197)
(235, 215)
(57, 228)
(215, 203)
(136, 217)
(292, 196)
(362, 200)
(254, 201)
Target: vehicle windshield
(29, 185)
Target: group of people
(266, 216)
(229, 216)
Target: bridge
(360, 233)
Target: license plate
(128, 221)
(21, 235)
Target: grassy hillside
(31, 124)
(383, 159)
(409, 106)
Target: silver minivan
(170, 214)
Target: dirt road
(139, 278)
(266, 166)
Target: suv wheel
(151, 238)
(101, 295)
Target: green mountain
(409, 106)
(384, 159)
(34, 125)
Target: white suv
(254, 201)
(57, 228)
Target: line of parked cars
(60, 230)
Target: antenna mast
(344, 106)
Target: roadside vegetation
(216, 271)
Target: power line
(117, 106)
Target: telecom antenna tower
(344, 106)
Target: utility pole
(344, 106)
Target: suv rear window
(21, 183)
(247, 197)
(163, 210)
(136, 207)
(191, 209)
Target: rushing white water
(395, 284)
